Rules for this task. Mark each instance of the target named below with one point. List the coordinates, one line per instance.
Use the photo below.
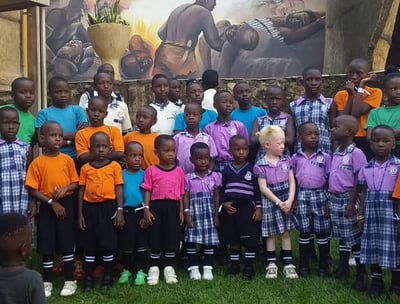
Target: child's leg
(376, 287)
(208, 263)
(395, 285)
(68, 259)
(108, 262)
(361, 280)
(249, 256)
(272, 269)
(127, 262)
(344, 254)
(323, 248)
(193, 261)
(286, 248)
(304, 252)
(48, 264)
(234, 256)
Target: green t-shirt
(26, 132)
(389, 116)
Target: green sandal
(124, 277)
(140, 278)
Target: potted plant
(109, 34)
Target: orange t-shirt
(147, 140)
(373, 100)
(100, 182)
(48, 173)
(82, 138)
(396, 190)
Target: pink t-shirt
(164, 184)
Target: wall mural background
(182, 38)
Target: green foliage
(111, 15)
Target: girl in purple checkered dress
(277, 185)
(201, 202)
(380, 246)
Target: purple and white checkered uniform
(13, 194)
(316, 111)
(379, 244)
(274, 221)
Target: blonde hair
(267, 133)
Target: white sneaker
(170, 275)
(207, 273)
(290, 272)
(272, 271)
(69, 288)
(153, 276)
(48, 288)
(194, 273)
(352, 261)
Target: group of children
(248, 174)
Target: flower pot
(110, 41)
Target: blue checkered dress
(379, 244)
(343, 228)
(274, 221)
(13, 194)
(310, 211)
(202, 213)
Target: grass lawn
(227, 290)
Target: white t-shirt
(165, 117)
(208, 100)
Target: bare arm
(262, 182)
(81, 219)
(210, 31)
(254, 130)
(295, 35)
(290, 132)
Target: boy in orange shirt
(146, 117)
(51, 179)
(97, 111)
(358, 100)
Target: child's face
(104, 85)
(239, 150)
(195, 93)
(313, 82)
(276, 145)
(166, 152)
(160, 89)
(53, 139)
(96, 111)
(274, 99)
(243, 95)
(192, 116)
(145, 120)
(59, 94)
(309, 137)
(100, 147)
(224, 104)
(201, 160)
(174, 90)
(392, 91)
(134, 157)
(382, 143)
(9, 125)
(24, 94)
(356, 72)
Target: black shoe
(106, 282)
(88, 284)
(248, 273)
(304, 270)
(341, 273)
(324, 272)
(361, 282)
(233, 270)
(375, 289)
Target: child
(133, 238)
(274, 100)
(201, 202)
(100, 208)
(389, 113)
(174, 94)
(358, 100)
(311, 169)
(277, 186)
(163, 209)
(224, 128)
(23, 93)
(71, 118)
(166, 110)
(346, 163)
(18, 284)
(117, 110)
(241, 208)
(194, 93)
(51, 180)
(378, 215)
(146, 117)
(97, 111)
(209, 81)
(14, 158)
(192, 134)
(314, 107)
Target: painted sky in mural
(182, 38)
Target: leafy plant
(111, 15)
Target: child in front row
(100, 211)
(277, 186)
(51, 179)
(241, 208)
(163, 209)
(378, 216)
(311, 169)
(201, 202)
(347, 161)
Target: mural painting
(182, 38)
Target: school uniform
(166, 114)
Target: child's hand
(370, 77)
(229, 208)
(294, 206)
(59, 193)
(81, 222)
(148, 217)
(119, 220)
(188, 219)
(216, 221)
(350, 88)
(350, 208)
(32, 208)
(181, 218)
(257, 215)
(59, 210)
(285, 206)
(143, 224)
(360, 225)
(327, 212)
(81, 125)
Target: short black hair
(7, 108)
(96, 135)
(236, 138)
(102, 68)
(383, 127)
(310, 68)
(132, 143)
(150, 108)
(220, 92)
(391, 72)
(304, 124)
(97, 76)
(194, 104)
(198, 146)
(160, 139)
(93, 98)
(156, 77)
(46, 127)
(55, 80)
(16, 82)
(274, 86)
(210, 79)
(239, 83)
